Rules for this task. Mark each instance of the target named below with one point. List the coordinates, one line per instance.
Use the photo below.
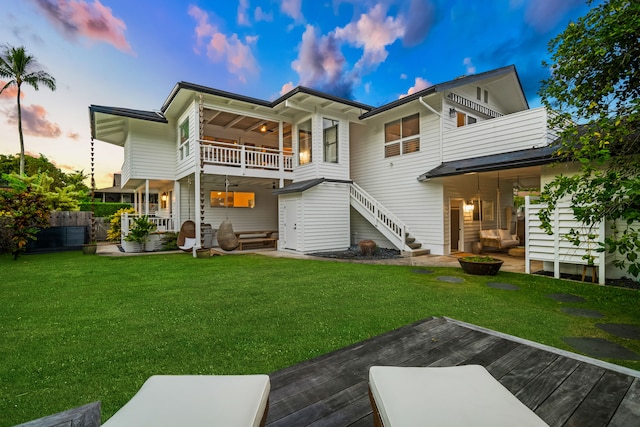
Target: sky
(131, 53)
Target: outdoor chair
(187, 236)
(444, 396)
(197, 400)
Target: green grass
(74, 328)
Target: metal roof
(300, 186)
(494, 162)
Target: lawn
(76, 329)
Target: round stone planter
(89, 248)
(486, 267)
(203, 253)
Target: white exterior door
(290, 225)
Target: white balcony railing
(244, 156)
(162, 224)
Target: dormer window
(402, 136)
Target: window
(464, 119)
(183, 147)
(486, 96)
(330, 140)
(232, 199)
(479, 93)
(304, 142)
(402, 136)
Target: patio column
(146, 201)
(175, 206)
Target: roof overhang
(110, 124)
(300, 186)
(495, 162)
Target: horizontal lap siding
(393, 181)
(512, 132)
(361, 229)
(152, 151)
(326, 217)
(187, 165)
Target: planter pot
(133, 247)
(203, 253)
(89, 248)
(481, 268)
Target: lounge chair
(197, 400)
(448, 396)
(187, 236)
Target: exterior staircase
(385, 222)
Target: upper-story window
(183, 147)
(330, 140)
(480, 92)
(402, 136)
(464, 119)
(304, 142)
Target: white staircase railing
(380, 217)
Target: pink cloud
(420, 84)
(243, 9)
(11, 92)
(373, 32)
(292, 8)
(73, 135)
(229, 49)
(94, 21)
(34, 121)
(286, 88)
(543, 15)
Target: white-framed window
(304, 142)
(402, 136)
(183, 145)
(464, 119)
(330, 140)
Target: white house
(423, 173)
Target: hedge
(103, 210)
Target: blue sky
(131, 53)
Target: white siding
(325, 216)
(361, 229)
(186, 165)
(393, 180)
(513, 132)
(150, 151)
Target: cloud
(286, 88)
(373, 32)
(243, 8)
(420, 84)
(73, 135)
(420, 19)
(471, 69)
(292, 8)
(34, 121)
(77, 18)
(220, 47)
(11, 92)
(544, 15)
(261, 15)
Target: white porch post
(147, 198)
(176, 206)
(197, 208)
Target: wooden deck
(563, 388)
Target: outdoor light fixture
(468, 206)
(263, 128)
(452, 112)
(164, 197)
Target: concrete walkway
(511, 264)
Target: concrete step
(418, 252)
(414, 245)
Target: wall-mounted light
(163, 200)
(164, 197)
(468, 206)
(452, 112)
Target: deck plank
(563, 389)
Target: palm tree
(20, 68)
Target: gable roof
(451, 84)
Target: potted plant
(139, 231)
(480, 265)
(90, 248)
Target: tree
(594, 89)
(19, 68)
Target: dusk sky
(130, 53)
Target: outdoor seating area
(256, 239)
(498, 239)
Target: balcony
(245, 160)
(513, 132)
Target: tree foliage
(20, 67)
(22, 213)
(594, 89)
(56, 198)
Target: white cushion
(451, 396)
(487, 234)
(189, 243)
(196, 400)
(505, 234)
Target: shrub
(103, 210)
(116, 224)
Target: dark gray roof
(300, 186)
(153, 116)
(442, 87)
(494, 162)
(300, 89)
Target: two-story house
(423, 173)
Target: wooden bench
(255, 234)
(261, 242)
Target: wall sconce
(164, 197)
(163, 200)
(452, 113)
(468, 206)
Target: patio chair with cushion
(444, 396)
(187, 236)
(197, 400)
